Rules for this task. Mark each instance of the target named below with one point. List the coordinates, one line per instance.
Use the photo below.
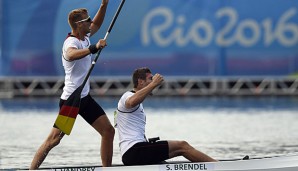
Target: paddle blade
(68, 112)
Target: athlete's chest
(84, 43)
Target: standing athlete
(76, 58)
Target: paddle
(70, 109)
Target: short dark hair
(139, 73)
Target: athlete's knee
(185, 146)
(54, 140)
(109, 131)
(180, 148)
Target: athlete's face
(149, 77)
(148, 80)
(85, 23)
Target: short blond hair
(76, 15)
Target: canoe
(278, 163)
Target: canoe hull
(282, 163)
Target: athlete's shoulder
(128, 93)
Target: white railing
(173, 86)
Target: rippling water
(224, 128)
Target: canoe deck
(280, 163)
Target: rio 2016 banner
(175, 38)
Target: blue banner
(175, 38)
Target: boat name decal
(187, 166)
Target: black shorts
(90, 110)
(145, 153)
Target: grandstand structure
(11, 87)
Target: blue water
(222, 127)
(278, 103)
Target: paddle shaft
(99, 51)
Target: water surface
(224, 128)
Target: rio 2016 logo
(245, 32)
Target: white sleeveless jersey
(130, 124)
(76, 70)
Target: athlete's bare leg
(53, 140)
(107, 131)
(182, 148)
